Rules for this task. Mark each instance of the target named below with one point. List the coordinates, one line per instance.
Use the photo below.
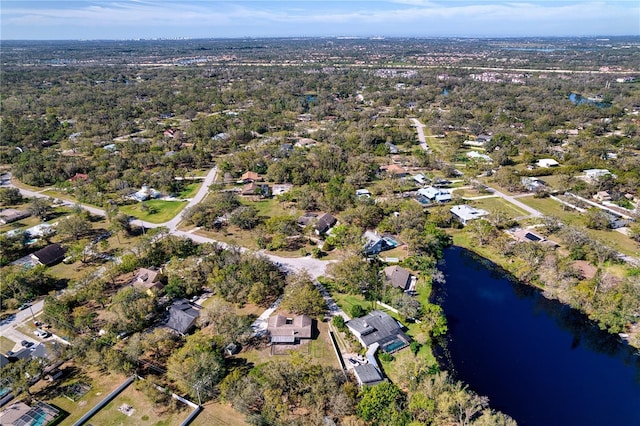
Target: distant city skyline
(133, 19)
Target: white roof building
(475, 155)
(465, 213)
(594, 175)
(437, 194)
(547, 162)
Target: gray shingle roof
(182, 316)
(377, 327)
(398, 276)
(367, 374)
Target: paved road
(420, 128)
(315, 267)
(512, 200)
(9, 330)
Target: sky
(134, 19)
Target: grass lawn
(320, 350)
(270, 207)
(101, 385)
(6, 344)
(72, 271)
(551, 207)
(496, 203)
(20, 224)
(144, 411)
(190, 190)
(164, 210)
(232, 235)
(218, 414)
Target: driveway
(420, 128)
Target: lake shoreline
(507, 340)
(495, 264)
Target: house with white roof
(594, 175)
(547, 163)
(464, 213)
(475, 155)
(435, 194)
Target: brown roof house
(400, 278)
(290, 330)
(249, 177)
(150, 280)
(50, 255)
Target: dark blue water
(577, 99)
(537, 360)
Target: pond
(536, 359)
(578, 99)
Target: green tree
(354, 275)
(134, 309)
(20, 374)
(380, 404)
(302, 297)
(10, 196)
(39, 207)
(74, 226)
(223, 319)
(197, 367)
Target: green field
(497, 203)
(160, 211)
(143, 411)
(190, 190)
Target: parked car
(41, 333)
(26, 344)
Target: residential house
(150, 280)
(476, 144)
(392, 148)
(21, 414)
(464, 213)
(305, 143)
(182, 316)
(12, 215)
(602, 196)
(360, 193)
(435, 194)
(367, 375)
(483, 138)
(79, 177)
(595, 175)
(394, 170)
(253, 188)
(250, 177)
(400, 278)
(283, 329)
(420, 178)
(38, 350)
(3, 360)
(547, 163)
(324, 223)
(281, 188)
(306, 219)
(50, 255)
(146, 193)
(375, 243)
(475, 155)
(379, 328)
(533, 184)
